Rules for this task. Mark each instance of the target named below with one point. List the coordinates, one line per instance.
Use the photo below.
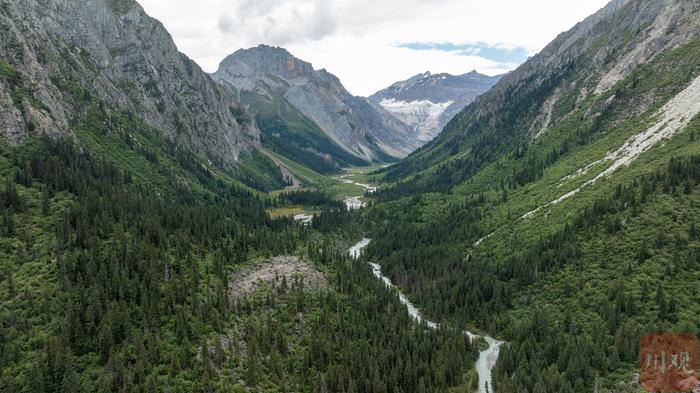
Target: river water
(355, 202)
(487, 357)
(304, 218)
(352, 203)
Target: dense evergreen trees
(127, 265)
(109, 285)
(358, 338)
(554, 344)
(312, 198)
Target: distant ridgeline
(427, 102)
(307, 115)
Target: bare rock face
(672, 24)
(616, 40)
(274, 271)
(368, 132)
(111, 49)
(427, 102)
(584, 64)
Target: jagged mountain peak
(406, 89)
(427, 101)
(275, 77)
(586, 73)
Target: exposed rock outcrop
(275, 270)
(64, 49)
(351, 122)
(428, 101)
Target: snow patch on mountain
(423, 115)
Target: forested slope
(575, 81)
(115, 261)
(568, 238)
(127, 210)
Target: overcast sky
(369, 44)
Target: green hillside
(289, 133)
(116, 256)
(117, 249)
(148, 241)
(568, 243)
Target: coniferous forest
(261, 229)
(106, 288)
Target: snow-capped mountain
(424, 115)
(428, 101)
(317, 108)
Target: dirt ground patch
(289, 267)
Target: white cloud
(357, 39)
(278, 23)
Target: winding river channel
(487, 357)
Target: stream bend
(487, 358)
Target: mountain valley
(163, 229)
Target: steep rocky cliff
(275, 78)
(55, 52)
(581, 76)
